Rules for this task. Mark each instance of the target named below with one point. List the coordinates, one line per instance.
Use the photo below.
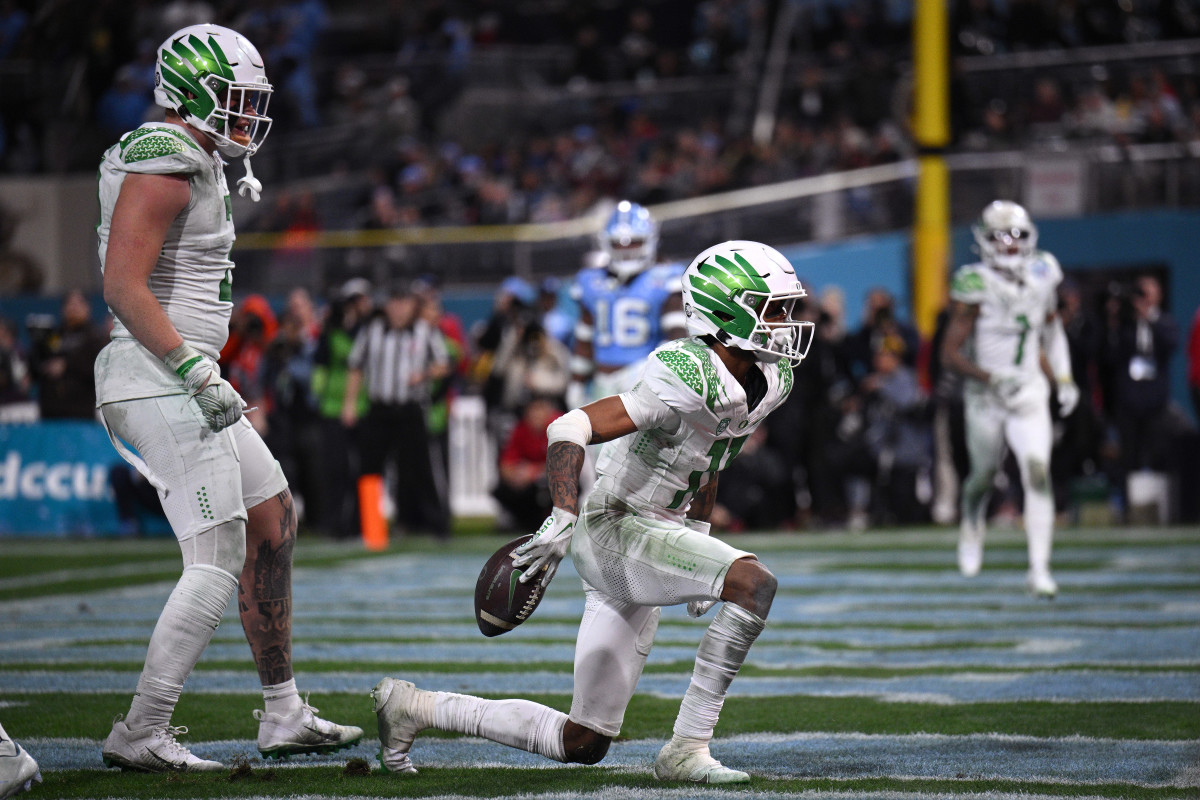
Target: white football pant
(1029, 434)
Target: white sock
(282, 698)
(1039, 528)
(720, 656)
(184, 629)
(522, 724)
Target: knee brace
(222, 546)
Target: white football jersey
(693, 418)
(194, 274)
(1012, 316)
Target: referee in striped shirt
(398, 356)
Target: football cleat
(18, 771)
(689, 760)
(303, 732)
(152, 750)
(1041, 583)
(970, 550)
(396, 706)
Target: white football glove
(1005, 385)
(219, 402)
(547, 547)
(1068, 396)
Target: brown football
(502, 602)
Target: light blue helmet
(630, 240)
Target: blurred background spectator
(333, 507)
(1139, 338)
(14, 369)
(522, 489)
(397, 118)
(62, 356)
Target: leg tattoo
(265, 588)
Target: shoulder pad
(1046, 267)
(683, 375)
(160, 151)
(669, 276)
(968, 285)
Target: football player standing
(1006, 338)
(640, 538)
(627, 306)
(166, 231)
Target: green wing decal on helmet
(185, 64)
(716, 286)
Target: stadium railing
(821, 208)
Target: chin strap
(249, 183)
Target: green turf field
(882, 672)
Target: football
(502, 602)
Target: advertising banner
(54, 479)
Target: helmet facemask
(630, 240)
(214, 79)
(777, 334)
(745, 295)
(1006, 238)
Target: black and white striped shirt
(391, 357)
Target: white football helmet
(214, 78)
(744, 294)
(1006, 237)
(630, 240)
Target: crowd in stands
(857, 444)
(393, 74)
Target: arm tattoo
(564, 460)
(704, 500)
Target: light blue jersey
(627, 317)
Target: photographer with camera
(1139, 339)
(880, 324)
(62, 357)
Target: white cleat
(300, 733)
(395, 706)
(689, 760)
(1041, 583)
(18, 771)
(970, 550)
(152, 750)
